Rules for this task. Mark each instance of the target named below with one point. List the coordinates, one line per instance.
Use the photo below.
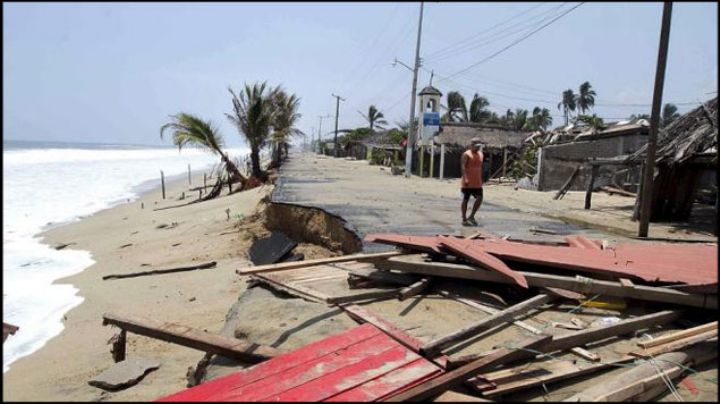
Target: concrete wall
(557, 165)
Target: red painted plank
(468, 249)
(417, 243)
(361, 370)
(390, 383)
(277, 365)
(309, 371)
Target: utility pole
(649, 172)
(337, 112)
(408, 151)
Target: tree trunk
(255, 160)
(232, 168)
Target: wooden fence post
(162, 182)
(189, 176)
(591, 183)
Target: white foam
(44, 186)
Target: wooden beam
(591, 184)
(413, 289)
(487, 323)
(679, 335)
(639, 379)
(415, 264)
(300, 264)
(583, 337)
(193, 338)
(447, 380)
(206, 265)
(455, 397)
(671, 346)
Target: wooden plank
(355, 375)
(365, 315)
(365, 355)
(487, 323)
(300, 264)
(554, 371)
(475, 253)
(389, 384)
(283, 363)
(193, 338)
(673, 345)
(644, 377)
(313, 296)
(679, 335)
(627, 283)
(585, 354)
(206, 265)
(449, 379)
(583, 337)
(563, 190)
(374, 295)
(414, 264)
(413, 289)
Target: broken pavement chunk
(271, 249)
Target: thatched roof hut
(691, 136)
(686, 158)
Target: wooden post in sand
(204, 180)
(442, 161)
(432, 159)
(189, 176)
(162, 182)
(504, 166)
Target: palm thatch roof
(494, 138)
(691, 135)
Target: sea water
(46, 184)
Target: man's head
(475, 144)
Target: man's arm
(463, 162)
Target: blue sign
(431, 119)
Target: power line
(460, 43)
(544, 16)
(516, 42)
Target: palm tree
(541, 118)
(567, 105)
(375, 118)
(254, 116)
(669, 114)
(456, 106)
(285, 117)
(586, 98)
(189, 130)
(478, 109)
(593, 121)
(519, 119)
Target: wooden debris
(487, 323)
(679, 335)
(445, 381)
(206, 265)
(612, 190)
(585, 354)
(644, 377)
(413, 289)
(674, 345)
(415, 264)
(192, 338)
(292, 265)
(455, 397)
(563, 190)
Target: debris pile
(482, 318)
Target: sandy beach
(127, 238)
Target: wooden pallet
(322, 284)
(361, 364)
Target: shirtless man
(471, 184)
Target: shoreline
(79, 352)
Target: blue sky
(113, 72)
